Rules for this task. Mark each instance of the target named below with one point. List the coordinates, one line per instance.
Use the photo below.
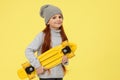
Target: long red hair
(47, 40)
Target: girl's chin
(57, 27)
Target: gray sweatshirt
(56, 72)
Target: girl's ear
(48, 23)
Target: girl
(51, 36)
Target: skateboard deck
(48, 59)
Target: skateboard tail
(21, 73)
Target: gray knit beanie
(47, 11)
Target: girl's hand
(40, 70)
(64, 60)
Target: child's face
(56, 21)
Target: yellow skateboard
(48, 59)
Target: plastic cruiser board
(48, 59)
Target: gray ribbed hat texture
(47, 11)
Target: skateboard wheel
(29, 69)
(66, 50)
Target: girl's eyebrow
(57, 15)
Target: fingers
(40, 70)
(65, 60)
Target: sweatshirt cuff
(35, 63)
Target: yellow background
(94, 25)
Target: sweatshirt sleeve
(32, 48)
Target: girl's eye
(60, 17)
(54, 17)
